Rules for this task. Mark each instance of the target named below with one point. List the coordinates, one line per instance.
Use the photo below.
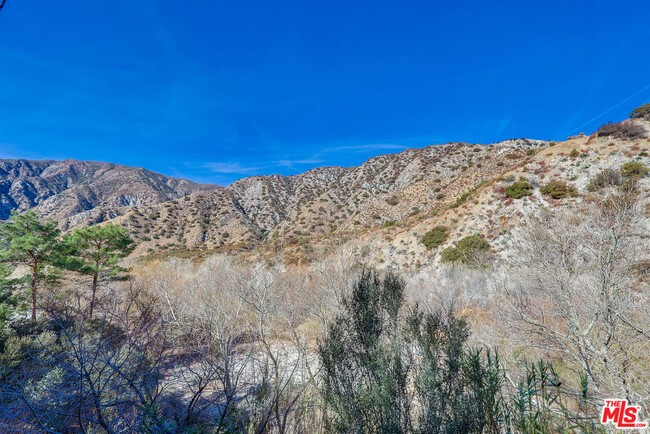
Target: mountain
(325, 203)
(74, 192)
(379, 210)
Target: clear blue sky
(219, 90)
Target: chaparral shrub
(467, 250)
(642, 112)
(622, 130)
(559, 190)
(634, 169)
(435, 237)
(517, 190)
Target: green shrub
(389, 223)
(435, 237)
(634, 170)
(642, 112)
(559, 190)
(518, 190)
(466, 250)
(373, 384)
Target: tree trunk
(34, 279)
(92, 297)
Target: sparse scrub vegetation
(463, 198)
(526, 328)
(606, 178)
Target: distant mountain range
(74, 192)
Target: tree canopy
(25, 240)
(95, 251)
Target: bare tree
(576, 290)
(204, 318)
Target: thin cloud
(230, 167)
(290, 163)
(257, 168)
(360, 148)
(13, 152)
(238, 168)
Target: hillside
(499, 219)
(381, 209)
(296, 212)
(73, 192)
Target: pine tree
(27, 241)
(95, 251)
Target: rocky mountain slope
(330, 203)
(378, 211)
(381, 209)
(498, 218)
(74, 192)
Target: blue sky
(219, 90)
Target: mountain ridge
(323, 201)
(75, 191)
(380, 208)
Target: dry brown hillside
(297, 214)
(381, 209)
(488, 211)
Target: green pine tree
(25, 240)
(95, 251)
(9, 303)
